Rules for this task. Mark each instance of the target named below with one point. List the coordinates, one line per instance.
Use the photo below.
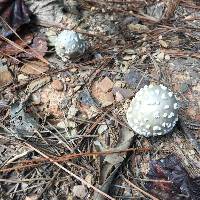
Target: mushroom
(69, 45)
(153, 111)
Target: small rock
(77, 88)
(125, 93)
(119, 84)
(133, 78)
(57, 85)
(22, 77)
(161, 56)
(67, 79)
(61, 125)
(85, 98)
(100, 91)
(89, 178)
(88, 111)
(79, 191)
(32, 197)
(51, 37)
(167, 57)
(72, 111)
(118, 97)
(106, 84)
(105, 98)
(163, 43)
(36, 98)
(74, 69)
(138, 28)
(184, 87)
(102, 128)
(127, 57)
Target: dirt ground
(63, 128)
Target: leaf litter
(63, 130)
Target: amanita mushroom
(153, 111)
(69, 45)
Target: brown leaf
(9, 49)
(34, 67)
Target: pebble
(72, 111)
(118, 97)
(57, 85)
(167, 57)
(161, 56)
(79, 191)
(102, 128)
(106, 84)
(36, 98)
(22, 77)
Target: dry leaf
(34, 67)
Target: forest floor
(63, 128)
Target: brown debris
(71, 116)
(34, 68)
(100, 92)
(105, 85)
(171, 7)
(57, 85)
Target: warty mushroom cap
(69, 45)
(153, 111)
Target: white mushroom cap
(69, 44)
(153, 111)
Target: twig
(35, 162)
(71, 173)
(139, 189)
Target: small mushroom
(153, 111)
(69, 45)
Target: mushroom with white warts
(153, 111)
(69, 45)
